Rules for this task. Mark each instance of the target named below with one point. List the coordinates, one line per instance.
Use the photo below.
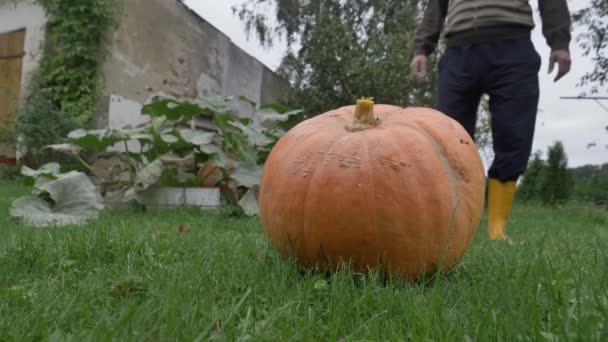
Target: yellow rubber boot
(500, 201)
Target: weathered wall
(163, 47)
(160, 47)
(26, 15)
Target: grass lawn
(132, 276)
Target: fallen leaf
(70, 199)
(126, 289)
(182, 228)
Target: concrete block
(165, 197)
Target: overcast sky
(575, 123)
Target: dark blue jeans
(508, 72)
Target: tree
(594, 189)
(532, 179)
(557, 182)
(594, 41)
(591, 183)
(341, 50)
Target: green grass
(131, 276)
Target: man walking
(489, 51)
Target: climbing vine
(75, 47)
(62, 93)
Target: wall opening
(11, 64)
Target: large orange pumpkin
(402, 189)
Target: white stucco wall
(26, 15)
(182, 56)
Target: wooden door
(11, 59)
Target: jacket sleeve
(429, 30)
(556, 23)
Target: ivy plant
(62, 93)
(75, 48)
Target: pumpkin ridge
(389, 114)
(370, 175)
(295, 137)
(447, 166)
(386, 261)
(407, 124)
(449, 169)
(445, 161)
(306, 200)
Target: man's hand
(418, 67)
(562, 58)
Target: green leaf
(210, 149)
(277, 132)
(247, 153)
(46, 173)
(223, 121)
(96, 140)
(162, 125)
(142, 137)
(220, 159)
(275, 107)
(253, 137)
(246, 121)
(175, 109)
(76, 200)
(250, 102)
(197, 137)
(151, 173)
(266, 117)
(141, 133)
(172, 109)
(77, 134)
(49, 169)
(247, 174)
(66, 148)
(169, 138)
(215, 104)
(249, 203)
(40, 181)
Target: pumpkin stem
(364, 115)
